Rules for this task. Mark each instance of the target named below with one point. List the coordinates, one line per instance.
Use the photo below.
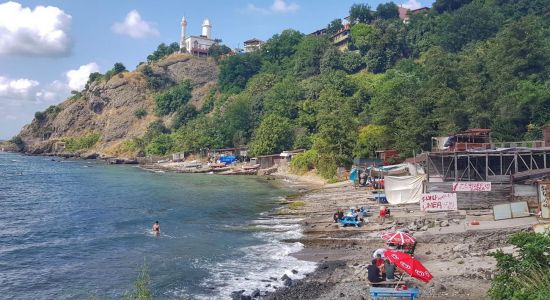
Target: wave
(260, 266)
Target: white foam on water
(258, 263)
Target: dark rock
(342, 295)
(284, 277)
(273, 278)
(294, 272)
(288, 282)
(255, 293)
(236, 295)
(246, 297)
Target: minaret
(183, 35)
(206, 28)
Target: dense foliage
(461, 65)
(81, 143)
(162, 51)
(172, 99)
(527, 274)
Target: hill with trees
(462, 64)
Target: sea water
(72, 229)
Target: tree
(274, 135)
(527, 274)
(281, 46)
(308, 55)
(370, 139)
(387, 11)
(352, 62)
(235, 71)
(442, 6)
(183, 115)
(218, 50)
(334, 26)
(360, 13)
(172, 99)
(361, 36)
(118, 68)
(162, 51)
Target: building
(342, 38)
(253, 45)
(404, 13)
(196, 45)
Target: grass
(296, 204)
(142, 290)
(80, 143)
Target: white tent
(404, 189)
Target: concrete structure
(196, 45)
(252, 45)
(342, 38)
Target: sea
(75, 229)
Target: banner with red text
(471, 186)
(438, 202)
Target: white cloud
(43, 30)
(412, 4)
(76, 79)
(278, 6)
(281, 6)
(17, 88)
(135, 27)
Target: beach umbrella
(409, 264)
(401, 238)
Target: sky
(49, 48)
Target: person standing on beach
(156, 228)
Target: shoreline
(457, 253)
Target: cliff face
(107, 109)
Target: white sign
(438, 202)
(471, 186)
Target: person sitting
(156, 228)
(338, 215)
(389, 270)
(378, 261)
(373, 274)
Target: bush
(173, 99)
(18, 142)
(155, 81)
(183, 115)
(154, 129)
(81, 143)
(304, 162)
(160, 145)
(140, 113)
(527, 274)
(327, 166)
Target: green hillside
(462, 64)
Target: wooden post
(456, 166)
(544, 159)
(516, 167)
(501, 163)
(486, 165)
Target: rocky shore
(455, 252)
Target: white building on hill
(196, 45)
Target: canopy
(409, 265)
(404, 189)
(401, 238)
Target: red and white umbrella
(408, 264)
(398, 237)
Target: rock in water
(255, 293)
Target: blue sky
(48, 48)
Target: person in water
(156, 227)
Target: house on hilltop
(252, 45)
(196, 45)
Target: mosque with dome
(196, 45)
